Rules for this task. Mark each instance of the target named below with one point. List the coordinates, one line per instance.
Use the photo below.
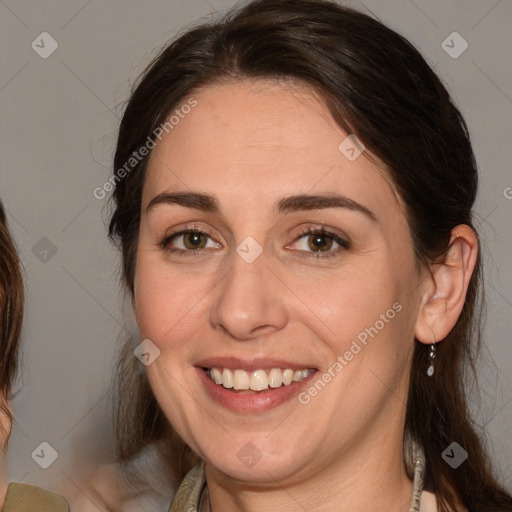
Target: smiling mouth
(257, 380)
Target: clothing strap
(419, 475)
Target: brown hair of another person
(11, 311)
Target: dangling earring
(431, 357)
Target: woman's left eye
(321, 242)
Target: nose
(249, 301)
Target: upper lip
(250, 365)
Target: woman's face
(254, 172)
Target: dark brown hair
(11, 311)
(378, 87)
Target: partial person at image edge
(15, 497)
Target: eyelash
(164, 244)
(344, 244)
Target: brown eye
(194, 240)
(189, 242)
(320, 242)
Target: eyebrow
(303, 202)
(203, 202)
(318, 202)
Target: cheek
(151, 299)
(167, 303)
(367, 319)
(355, 299)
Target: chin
(248, 463)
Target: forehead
(254, 141)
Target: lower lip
(252, 402)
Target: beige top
(193, 486)
(28, 498)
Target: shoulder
(23, 497)
(428, 502)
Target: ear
(445, 291)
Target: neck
(363, 478)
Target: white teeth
(227, 379)
(300, 375)
(257, 380)
(241, 380)
(275, 378)
(287, 377)
(216, 375)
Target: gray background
(59, 122)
